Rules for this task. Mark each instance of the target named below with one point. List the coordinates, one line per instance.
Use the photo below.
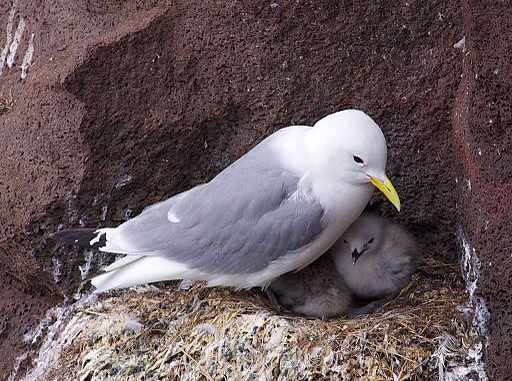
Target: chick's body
(365, 268)
(316, 290)
(387, 257)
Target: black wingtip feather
(81, 237)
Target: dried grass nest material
(218, 334)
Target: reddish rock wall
(125, 106)
(482, 123)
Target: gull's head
(349, 146)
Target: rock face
(114, 108)
(482, 120)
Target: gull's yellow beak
(388, 189)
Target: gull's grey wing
(246, 217)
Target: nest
(163, 333)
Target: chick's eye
(358, 160)
(370, 240)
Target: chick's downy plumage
(365, 268)
(376, 258)
(316, 290)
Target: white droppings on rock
(10, 22)
(15, 43)
(32, 337)
(473, 365)
(19, 360)
(104, 210)
(471, 271)
(476, 354)
(123, 180)
(471, 265)
(27, 59)
(56, 270)
(52, 329)
(461, 44)
(86, 266)
(71, 206)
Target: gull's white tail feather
(121, 262)
(115, 242)
(142, 270)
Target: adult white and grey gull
(274, 210)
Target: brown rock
(125, 106)
(482, 119)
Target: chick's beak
(355, 256)
(388, 189)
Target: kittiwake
(274, 210)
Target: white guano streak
(15, 43)
(5, 50)
(27, 59)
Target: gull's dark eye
(344, 240)
(371, 240)
(358, 160)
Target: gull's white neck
(342, 201)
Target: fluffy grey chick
(365, 268)
(317, 290)
(376, 259)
